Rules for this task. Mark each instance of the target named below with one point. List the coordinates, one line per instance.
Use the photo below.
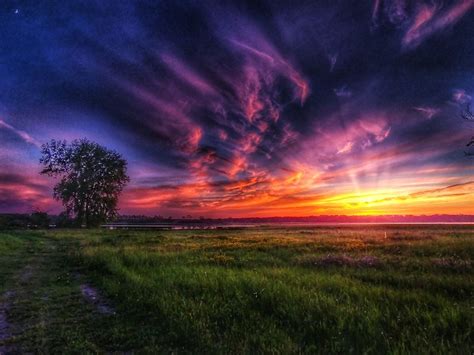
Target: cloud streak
(429, 20)
(25, 137)
(419, 20)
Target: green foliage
(91, 178)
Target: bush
(39, 220)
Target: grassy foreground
(345, 289)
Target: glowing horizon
(253, 109)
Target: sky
(245, 108)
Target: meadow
(322, 289)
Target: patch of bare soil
(6, 328)
(92, 295)
(9, 329)
(26, 274)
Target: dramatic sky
(245, 108)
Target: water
(217, 225)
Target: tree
(468, 115)
(63, 220)
(91, 178)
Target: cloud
(343, 91)
(23, 193)
(419, 20)
(21, 134)
(332, 61)
(460, 96)
(225, 108)
(426, 111)
(465, 188)
(347, 148)
(356, 135)
(429, 20)
(188, 75)
(456, 190)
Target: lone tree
(91, 178)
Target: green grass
(348, 289)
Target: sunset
(220, 176)
(246, 109)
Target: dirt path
(15, 301)
(92, 295)
(46, 306)
(5, 326)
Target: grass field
(335, 289)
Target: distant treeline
(43, 220)
(34, 220)
(442, 218)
